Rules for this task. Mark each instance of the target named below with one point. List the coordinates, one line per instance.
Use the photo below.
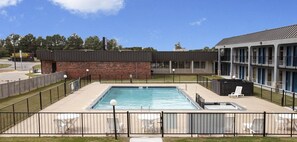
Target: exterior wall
(106, 70)
(207, 70)
(46, 67)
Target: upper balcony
(240, 59)
(287, 62)
(263, 61)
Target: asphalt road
(9, 74)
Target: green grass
(274, 97)
(37, 66)
(4, 65)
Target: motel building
(123, 64)
(266, 58)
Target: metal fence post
(270, 94)
(197, 78)
(206, 82)
(51, 101)
(261, 92)
(40, 100)
(82, 125)
(264, 124)
(19, 86)
(13, 114)
(58, 92)
(28, 110)
(282, 101)
(234, 127)
(162, 124)
(191, 124)
(293, 106)
(39, 129)
(128, 124)
(291, 125)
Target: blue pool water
(145, 97)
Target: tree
(55, 42)
(74, 42)
(178, 46)
(12, 42)
(112, 45)
(27, 43)
(40, 43)
(93, 42)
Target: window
(174, 65)
(203, 65)
(187, 65)
(181, 65)
(196, 65)
(281, 53)
(166, 64)
(269, 53)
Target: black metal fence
(157, 123)
(275, 95)
(27, 107)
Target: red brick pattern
(46, 67)
(106, 70)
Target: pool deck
(80, 100)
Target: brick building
(117, 64)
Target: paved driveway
(9, 74)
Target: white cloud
(3, 13)
(6, 3)
(198, 22)
(91, 6)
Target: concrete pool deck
(80, 100)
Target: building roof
(94, 56)
(266, 35)
(124, 56)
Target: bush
(4, 53)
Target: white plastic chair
(255, 127)
(237, 92)
(110, 126)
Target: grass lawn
(124, 139)
(272, 96)
(4, 65)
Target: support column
(219, 61)
(231, 62)
(192, 66)
(249, 78)
(275, 69)
(170, 66)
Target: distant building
(267, 57)
(119, 64)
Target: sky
(146, 23)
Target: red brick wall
(46, 67)
(107, 70)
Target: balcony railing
(263, 60)
(289, 62)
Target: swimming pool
(157, 98)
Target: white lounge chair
(229, 124)
(237, 92)
(110, 126)
(255, 127)
(148, 126)
(65, 121)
